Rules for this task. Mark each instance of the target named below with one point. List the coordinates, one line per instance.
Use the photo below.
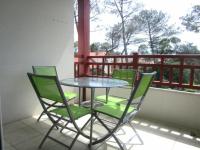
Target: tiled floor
(27, 134)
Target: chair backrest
(138, 93)
(45, 70)
(128, 75)
(48, 87)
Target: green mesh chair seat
(124, 113)
(77, 112)
(48, 90)
(70, 95)
(111, 99)
(128, 75)
(114, 110)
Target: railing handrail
(149, 55)
(140, 61)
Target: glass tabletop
(91, 82)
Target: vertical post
(83, 34)
(103, 66)
(181, 71)
(135, 64)
(191, 76)
(83, 37)
(170, 75)
(161, 69)
(135, 61)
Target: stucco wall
(32, 32)
(169, 106)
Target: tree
(75, 47)
(143, 49)
(124, 9)
(192, 20)
(153, 23)
(168, 45)
(113, 37)
(94, 11)
(94, 47)
(187, 48)
(106, 47)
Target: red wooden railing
(175, 71)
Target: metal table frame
(92, 83)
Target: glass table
(92, 83)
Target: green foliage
(187, 48)
(168, 45)
(106, 46)
(154, 24)
(95, 11)
(94, 47)
(75, 47)
(143, 49)
(192, 20)
(125, 28)
(113, 37)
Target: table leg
(107, 92)
(91, 124)
(79, 97)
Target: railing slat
(136, 61)
(191, 77)
(181, 71)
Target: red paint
(83, 34)
(136, 62)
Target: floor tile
(10, 127)
(8, 146)
(20, 135)
(28, 133)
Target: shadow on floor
(27, 134)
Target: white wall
(32, 32)
(169, 106)
(175, 107)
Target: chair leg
(132, 127)
(64, 127)
(110, 133)
(40, 116)
(91, 129)
(74, 140)
(47, 134)
(44, 112)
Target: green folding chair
(128, 75)
(51, 71)
(124, 113)
(49, 89)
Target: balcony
(167, 119)
(40, 33)
(174, 97)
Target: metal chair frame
(54, 118)
(133, 82)
(56, 74)
(126, 117)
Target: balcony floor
(26, 135)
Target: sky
(174, 8)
